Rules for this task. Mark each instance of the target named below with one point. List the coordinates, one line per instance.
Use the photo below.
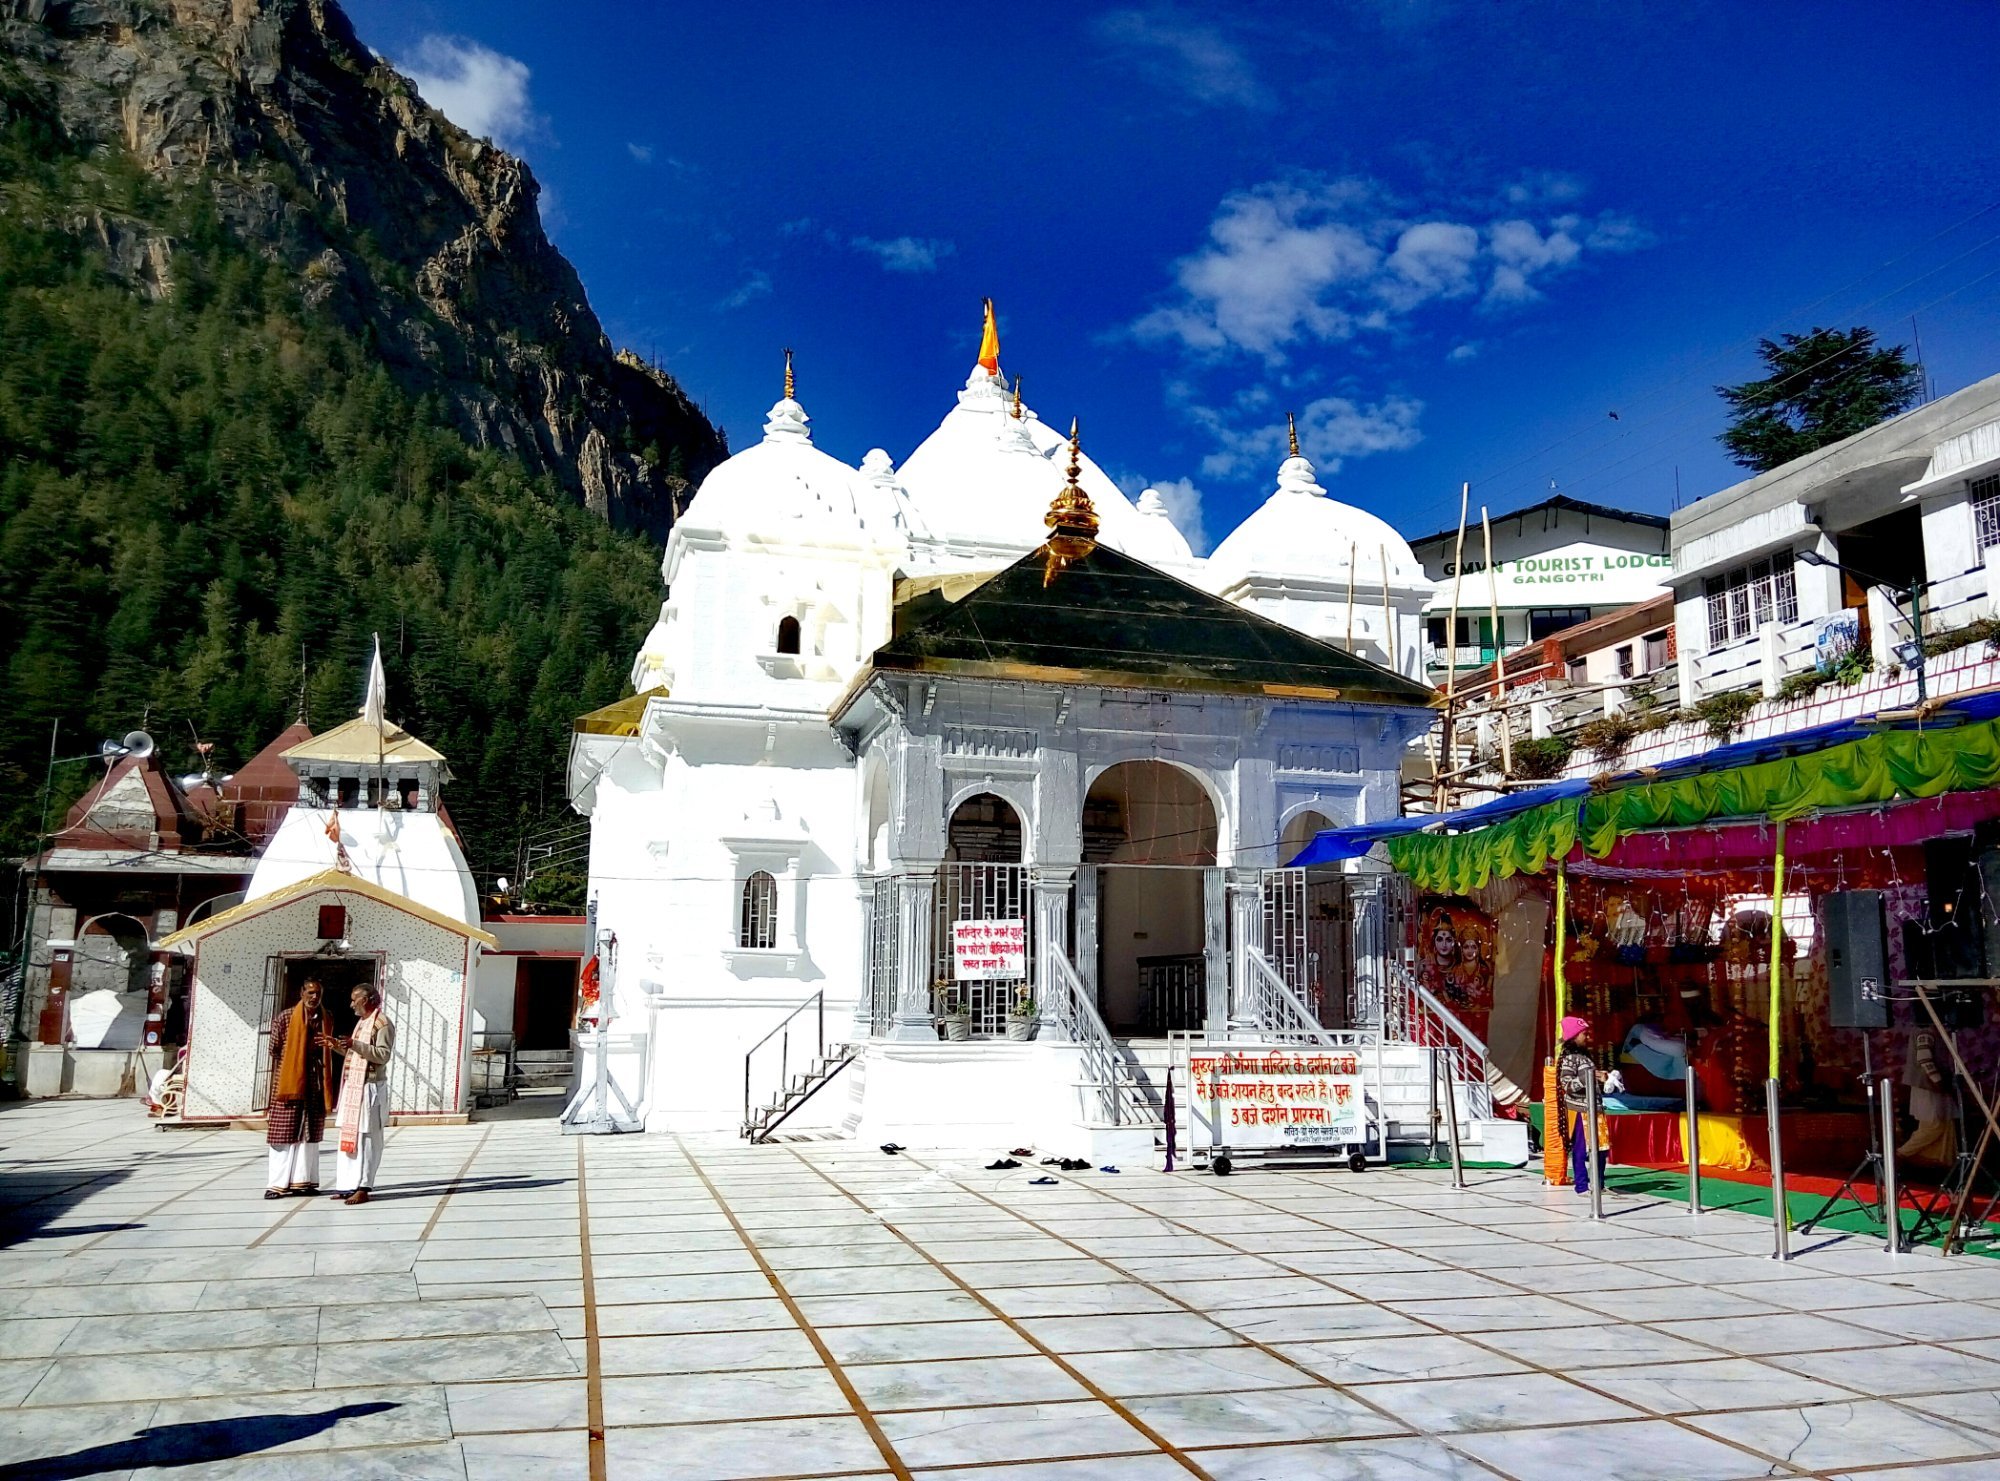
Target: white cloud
(481, 90)
(905, 254)
(1250, 440)
(1459, 354)
(643, 153)
(1185, 56)
(1309, 260)
(756, 285)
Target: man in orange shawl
(301, 1093)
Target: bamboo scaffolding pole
(1499, 647)
(1450, 642)
(1353, 554)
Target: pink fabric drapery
(1741, 845)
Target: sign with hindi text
(989, 950)
(1279, 1097)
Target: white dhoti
(293, 1166)
(358, 1170)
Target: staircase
(800, 1088)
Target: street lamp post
(1912, 652)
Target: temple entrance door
(1151, 830)
(983, 879)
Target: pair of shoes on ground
(1022, 1152)
(890, 1148)
(1002, 1164)
(1068, 1164)
(296, 1190)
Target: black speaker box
(1954, 943)
(1857, 959)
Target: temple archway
(1150, 831)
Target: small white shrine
(952, 788)
(363, 884)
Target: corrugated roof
(358, 741)
(327, 879)
(621, 717)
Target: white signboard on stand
(1252, 1097)
(989, 950)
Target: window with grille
(1750, 596)
(1625, 662)
(1656, 652)
(758, 928)
(1986, 510)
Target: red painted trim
(538, 920)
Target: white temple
(877, 705)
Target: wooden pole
(1438, 792)
(1353, 554)
(1499, 647)
(1562, 943)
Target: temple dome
(782, 491)
(1300, 532)
(1156, 539)
(985, 477)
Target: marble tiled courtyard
(516, 1303)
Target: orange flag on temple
(989, 343)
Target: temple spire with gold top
(1291, 427)
(1072, 518)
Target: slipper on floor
(1002, 1165)
(1107, 1168)
(1074, 1164)
(1041, 1182)
(891, 1148)
(1022, 1152)
(1052, 1162)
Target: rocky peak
(428, 240)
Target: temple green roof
(1104, 618)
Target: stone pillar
(1088, 896)
(864, 1000)
(1246, 930)
(1051, 889)
(1215, 952)
(916, 903)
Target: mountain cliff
(422, 240)
(286, 362)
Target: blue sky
(1453, 236)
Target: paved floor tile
(1835, 1436)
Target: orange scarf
(291, 1080)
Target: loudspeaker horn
(138, 744)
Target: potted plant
(1021, 1015)
(954, 1013)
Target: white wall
(423, 986)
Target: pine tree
(1823, 386)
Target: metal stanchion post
(1451, 1126)
(1781, 1214)
(1691, 1143)
(1892, 1195)
(1596, 1170)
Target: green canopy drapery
(1454, 863)
(1875, 769)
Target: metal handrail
(784, 1027)
(1466, 1057)
(1118, 1093)
(1279, 1012)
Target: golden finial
(1072, 519)
(1017, 398)
(1290, 426)
(788, 373)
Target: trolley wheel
(1220, 1166)
(1357, 1162)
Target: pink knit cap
(1572, 1026)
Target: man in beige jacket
(363, 1109)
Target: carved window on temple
(757, 927)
